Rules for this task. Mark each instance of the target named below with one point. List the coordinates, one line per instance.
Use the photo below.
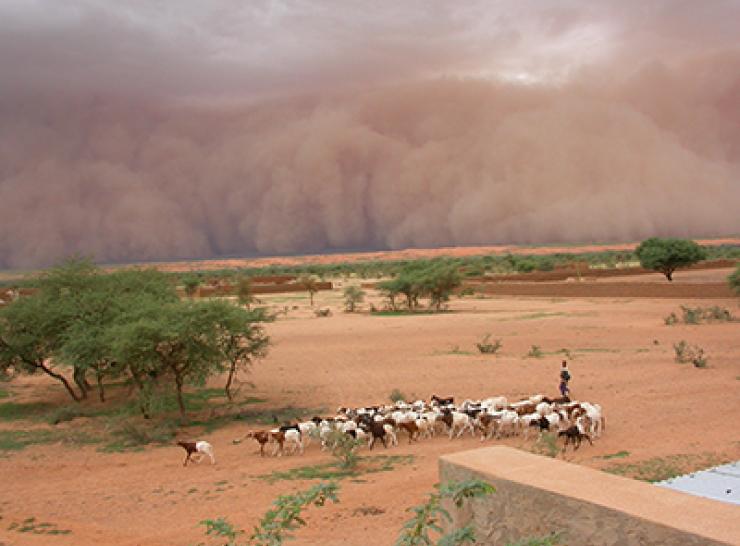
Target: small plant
(275, 526)
(488, 348)
(535, 352)
(690, 353)
(671, 319)
(428, 516)
(30, 525)
(397, 396)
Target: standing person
(564, 379)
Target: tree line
(126, 325)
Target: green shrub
(344, 449)
(535, 352)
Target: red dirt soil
(623, 359)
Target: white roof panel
(720, 483)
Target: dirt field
(621, 357)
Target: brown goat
(264, 436)
(410, 427)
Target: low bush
(485, 347)
(535, 352)
(698, 315)
(690, 353)
(397, 396)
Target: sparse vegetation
(535, 352)
(17, 440)
(659, 469)
(697, 315)
(690, 353)
(485, 347)
(30, 525)
(279, 522)
(334, 470)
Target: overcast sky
(226, 94)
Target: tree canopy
(436, 280)
(667, 255)
(129, 323)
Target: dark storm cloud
(143, 130)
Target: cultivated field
(661, 416)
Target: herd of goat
(491, 417)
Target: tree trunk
(101, 389)
(60, 377)
(79, 377)
(142, 403)
(180, 401)
(227, 388)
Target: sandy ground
(623, 359)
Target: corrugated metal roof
(720, 483)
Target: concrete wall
(538, 495)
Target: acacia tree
(101, 306)
(439, 282)
(175, 341)
(34, 328)
(240, 338)
(353, 295)
(185, 343)
(667, 255)
(310, 284)
(30, 333)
